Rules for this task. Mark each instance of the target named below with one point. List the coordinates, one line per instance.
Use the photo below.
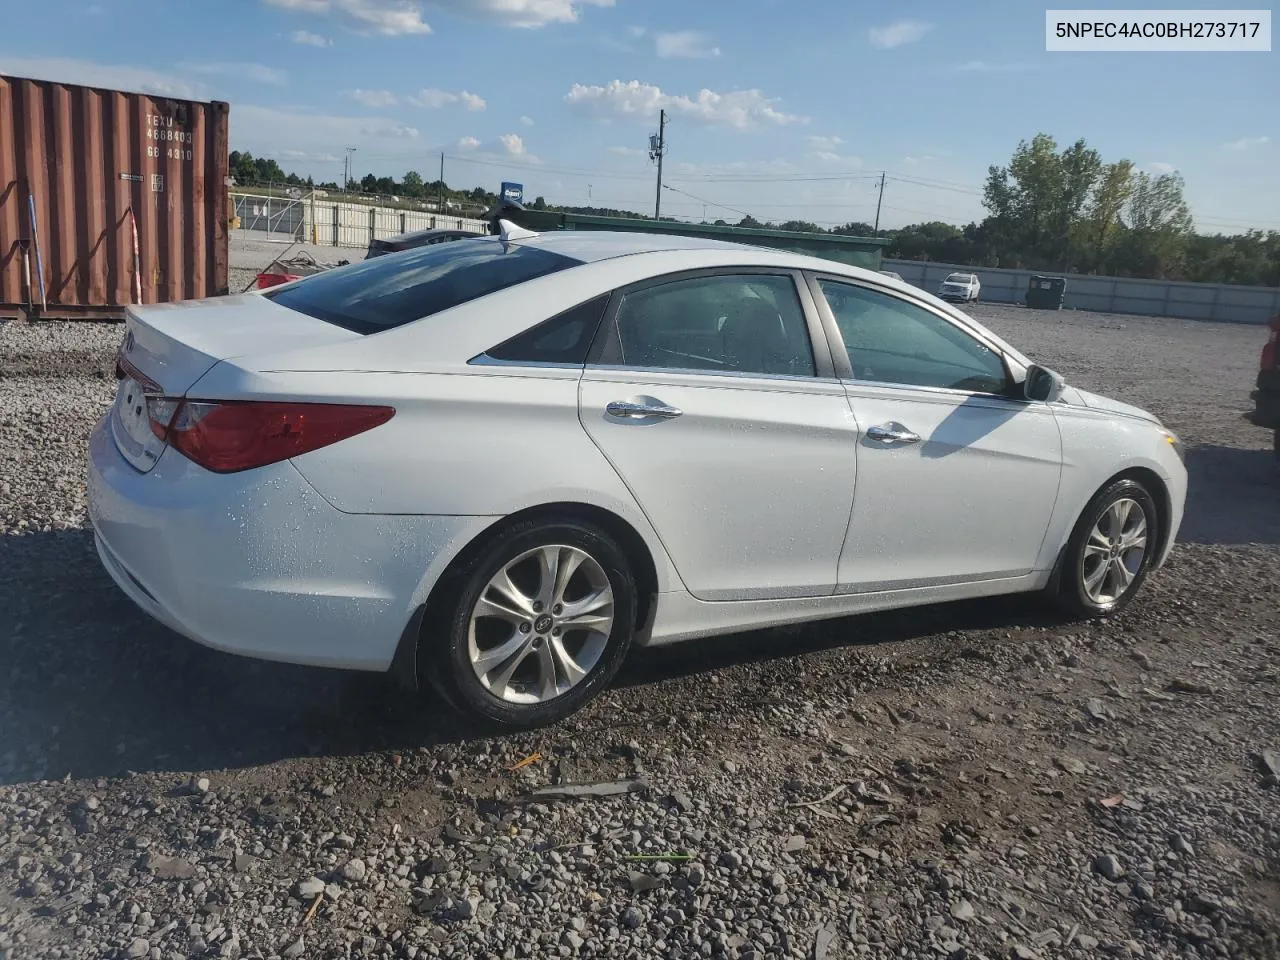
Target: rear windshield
(392, 290)
(957, 278)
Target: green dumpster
(855, 251)
(1046, 293)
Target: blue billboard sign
(512, 191)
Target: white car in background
(963, 287)
(493, 466)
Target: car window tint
(891, 340)
(725, 323)
(390, 291)
(565, 338)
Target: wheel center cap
(542, 624)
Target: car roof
(590, 246)
(424, 234)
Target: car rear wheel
(543, 618)
(1110, 551)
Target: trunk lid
(168, 347)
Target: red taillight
(239, 435)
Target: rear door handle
(641, 410)
(892, 433)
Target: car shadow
(94, 687)
(1233, 497)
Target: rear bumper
(259, 564)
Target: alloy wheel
(1114, 552)
(541, 624)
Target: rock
(466, 907)
(295, 949)
(243, 863)
(963, 911)
(729, 767)
(137, 949)
(1183, 685)
(1108, 866)
(572, 940)
(822, 942)
(731, 859)
(682, 802)
(1087, 944)
(169, 868)
(1181, 845)
(310, 888)
(632, 918)
(794, 844)
(1143, 891)
(1096, 710)
(777, 882)
(345, 841)
(1020, 952)
(92, 803)
(1070, 765)
(354, 870)
(200, 785)
(640, 882)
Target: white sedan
(494, 465)
(960, 286)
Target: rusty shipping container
(107, 199)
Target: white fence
(336, 224)
(1223, 302)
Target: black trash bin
(1046, 293)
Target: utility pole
(657, 147)
(348, 169)
(879, 199)
(440, 189)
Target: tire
(580, 662)
(1078, 592)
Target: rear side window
(565, 338)
(389, 291)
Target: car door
(957, 474)
(706, 394)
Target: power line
(711, 203)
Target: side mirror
(1043, 384)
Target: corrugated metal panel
(93, 163)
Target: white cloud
(376, 99)
(629, 151)
(1246, 143)
(526, 121)
(684, 45)
(824, 143)
(743, 109)
(636, 32)
(833, 158)
(897, 33)
(919, 158)
(1159, 168)
(389, 18)
(529, 14)
(309, 39)
(254, 71)
(508, 146)
(265, 130)
(111, 76)
(401, 17)
(434, 99)
(390, 130)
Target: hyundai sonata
(494, 465)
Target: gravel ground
(963, 781)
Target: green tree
(412, 185)
(1098, 230)
(1160, 226)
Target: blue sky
(785, 109)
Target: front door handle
(641, 410)
(892, 433)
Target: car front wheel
(543, 618)
(1110, 551)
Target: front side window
(891, 340)
(750, 323)
(390, 291)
